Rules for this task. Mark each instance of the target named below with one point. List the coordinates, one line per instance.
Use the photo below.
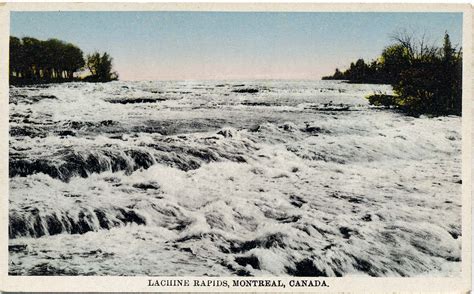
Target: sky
(232, 45)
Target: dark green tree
(425, 78)
(73, 60)
(33, 60)
(16, 58)
(394, 60)
(100, 67)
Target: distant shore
(426, 79)
(34, 61)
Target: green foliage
(433, 82)
(100, 67)
(382, 100)
(394, 60)
(37, 61)
(425, 78)
(358, 72)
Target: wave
(135, 100)
(31, 223)
(189, 152)
(68, 164)
(183, 153)
(25, 99)
(297, 179)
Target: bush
(425, 79)
(100, 67)
(383, 100)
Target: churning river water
(248, 178)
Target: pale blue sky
(228, 45)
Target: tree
(451, 64)
(426, 78)
(338, 74)
(100, 67)
(33, 60)
(416, 48)
(448, 50)
(16, 57)
(74, 60)
(394, 60)
(53, 58)
(31, 57)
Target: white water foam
(201, 178)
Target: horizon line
(217, 79)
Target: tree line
(53, 60)
(425, 78)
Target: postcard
(204, 147)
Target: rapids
(248, 178)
